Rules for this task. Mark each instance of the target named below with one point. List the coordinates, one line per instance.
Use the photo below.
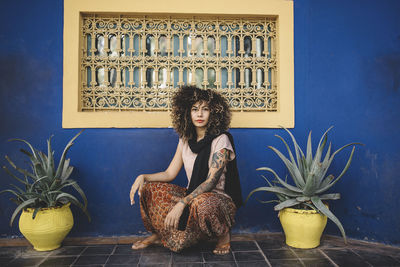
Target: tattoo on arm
(219, 161)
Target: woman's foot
(141, 244)
(223, 245)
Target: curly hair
(185, 98)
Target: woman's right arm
(166, 176)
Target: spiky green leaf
(67, 170)
(297, 167)
(302, 199)
(14, 176)
(327, 180)
(324, 210)
(333, 196)
(268, 201)
(50, 159)
(64, 154)
(286, 204)
(340, 176)
(35, 212)
(325, 164)
(309, 156)
(12, 192)
(31, 157)
(26, 142)
(23, 205)
(81, 193)
(19, 169)
(38, 181)
(265, 178)
(299, 153)
(283, 183)
(311, 185)
(75, 201)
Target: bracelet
(181, 201)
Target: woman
(180, 217)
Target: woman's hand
(172, 220)
(138, 184)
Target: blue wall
(347, 74)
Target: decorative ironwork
(135, 62)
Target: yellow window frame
(73, 117)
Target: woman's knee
(202, 199)
(147, 190)
(149, 187)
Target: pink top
(189, 157)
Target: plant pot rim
(31, 210)
(303, 211)
(300, 211)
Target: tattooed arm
(219, 161)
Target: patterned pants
(211, 214)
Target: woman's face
(200, 113)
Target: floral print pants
(211, 214)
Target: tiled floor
(247, 250)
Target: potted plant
(46, 217)
(302, 209)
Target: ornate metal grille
(135, 62)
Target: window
(129, 64)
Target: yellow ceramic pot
(48, 229)
(303, 228)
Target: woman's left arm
(218, 163)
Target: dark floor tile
(202, 247)
(23, 262)
(248, 256)
(188, 264)
(29, 252)
(308, 253)
(98, 250)
(126, 250)
(263, 237)
(12, 252)
(211, 257)
(390, 251)
(243, 245)
(5, 260)
(277, 254)
(252, 264)
(271, 244)
(68, 251)
(153, 265)
(89, 260)
(187, 257)
(155, 249)
(376, 258)
(58, 261)
(286, 263)
(92, 265)
(123, 259)
(155, 258)
(345, 257)
(317, 262)
(332, 243)
(220, 264)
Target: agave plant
(309, 174)
(44, 184)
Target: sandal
(222, 249)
